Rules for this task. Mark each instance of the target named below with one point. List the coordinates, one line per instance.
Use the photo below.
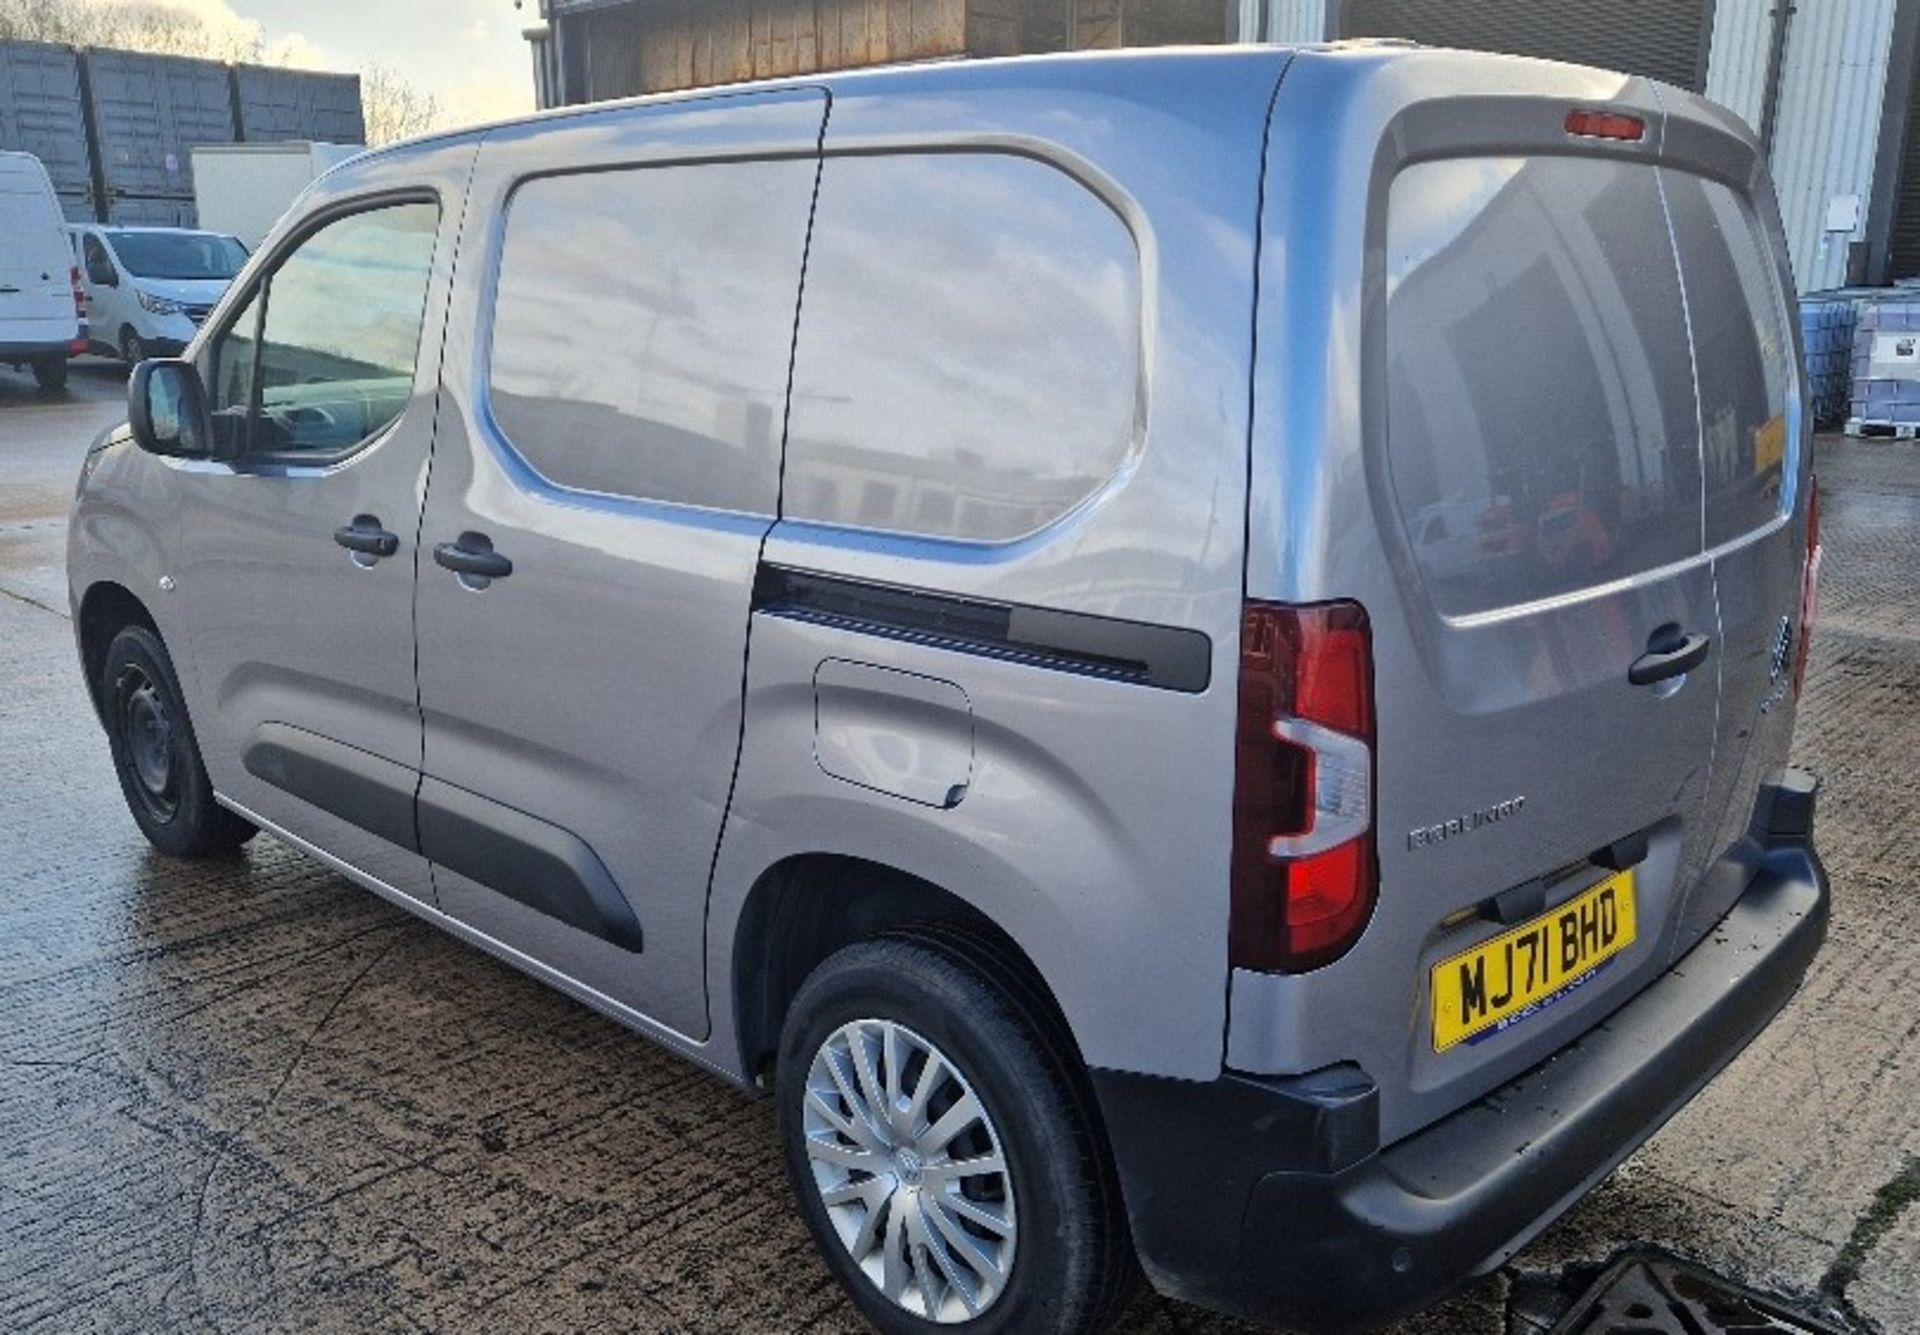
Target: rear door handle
(1669, 654)
(365, 536)
(473, 554)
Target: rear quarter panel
(1095, 829)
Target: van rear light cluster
(1305, 874)
(1809, 587)
(79, 345)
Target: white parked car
(39, 286)
(148, 288)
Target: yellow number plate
(1506, 979)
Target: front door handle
(1669, 654)
(365, 537)
(472, 554)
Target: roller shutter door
(1662, 39)
(1905, 242)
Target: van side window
(643, 328)
(321, 358)
(1745, 352)
(1538, 383)
(99, 265)
(968, 363)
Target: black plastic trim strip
(1168, 657)
(365, 790)
(531, 861)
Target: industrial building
(1827, 84)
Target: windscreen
(1540, 411)
(178, 256)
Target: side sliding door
(607, 469)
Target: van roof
(15, 165)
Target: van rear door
(1756, 455)
(1498, 457)
(36, 289)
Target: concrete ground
(250, 1095)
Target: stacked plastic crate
(1826, 332)
(1886, 367)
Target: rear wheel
(943, 1156)
(155, 754)
(50, 373)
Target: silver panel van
(1188, 657)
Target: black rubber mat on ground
(1657, 1295)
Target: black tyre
(133, 348)
(155, 754)
(50, 373)
(945, 1157)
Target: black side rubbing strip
(1169, 657)
(530, 861)
(357, 786)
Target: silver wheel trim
(911, 1170)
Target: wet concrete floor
(249, 1095)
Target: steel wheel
(146, 725)
(155, 756)
(911, 1170)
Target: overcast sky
(468, 52)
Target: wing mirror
(167, 408)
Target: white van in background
(148, 288)
(40, 297)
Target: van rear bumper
(1270, 1198)
(33, 351)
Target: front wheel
(944, 1157)
(155, 753)
(133, 348)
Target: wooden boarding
(657, 46)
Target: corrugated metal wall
(1297, 21)
(1737, 69)
(1827, 131)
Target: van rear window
(1745, 349)
(968, 362)
(1540, 409)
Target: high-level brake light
(1589, 124)
(1304, 868)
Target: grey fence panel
(280, 104)
(148, 114)
(41, 111)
